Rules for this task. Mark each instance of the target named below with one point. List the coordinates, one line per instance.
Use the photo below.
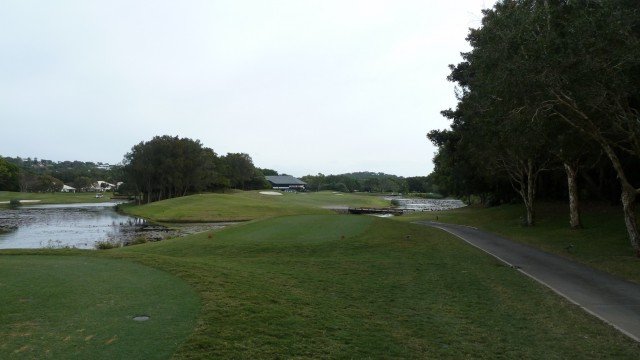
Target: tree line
(370, 182)
(169, 166)
(40, 175)
(166, 167)
(162, 168)
(549, 90)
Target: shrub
(140, 239)
(107, 244)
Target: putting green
(85, 307)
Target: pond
(63, 225)
(83, 226)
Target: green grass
(242, 206)
(82, 307)
(53, 198)
(602, 243)
(302, 282)
(338, 286)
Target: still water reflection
(61, 225)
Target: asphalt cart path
(614, 300)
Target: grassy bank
(53, 198)
(242, 206)
(602, 242)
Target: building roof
(284, 180)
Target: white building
(68, 189)
(102, 186)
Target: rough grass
(338, 286)
(82, 307)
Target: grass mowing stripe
(61, 307)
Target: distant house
(102, 186)
(68, 189)
(286, 182)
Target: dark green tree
(239, 169)
(9, 176)
(268, 172)
(167, 167)
(535, 63)
(593, 85)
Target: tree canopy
(166, 167)
(549, 86)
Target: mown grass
(339, 286)
(242, 206)
(82, 307)
(301, 282)
(53, 198)
(602, 242)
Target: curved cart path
(610, 298)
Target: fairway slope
(247, 205)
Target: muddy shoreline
(130, 235)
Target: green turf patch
(78, 307)
(249, 205)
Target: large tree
(167, 167)
(239, 169)
(549, 61)
(594, 85)
(499, 101)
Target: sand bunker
(270, 193)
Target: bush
(107, 244)
(140, 239)
(491, 200)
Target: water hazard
(417, 204)
(62, 225)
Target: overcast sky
(303, 87)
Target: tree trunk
(628, 198)
(574, 209)
(530, 218)
(523, 180)
(531, 192)
(149, 194)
